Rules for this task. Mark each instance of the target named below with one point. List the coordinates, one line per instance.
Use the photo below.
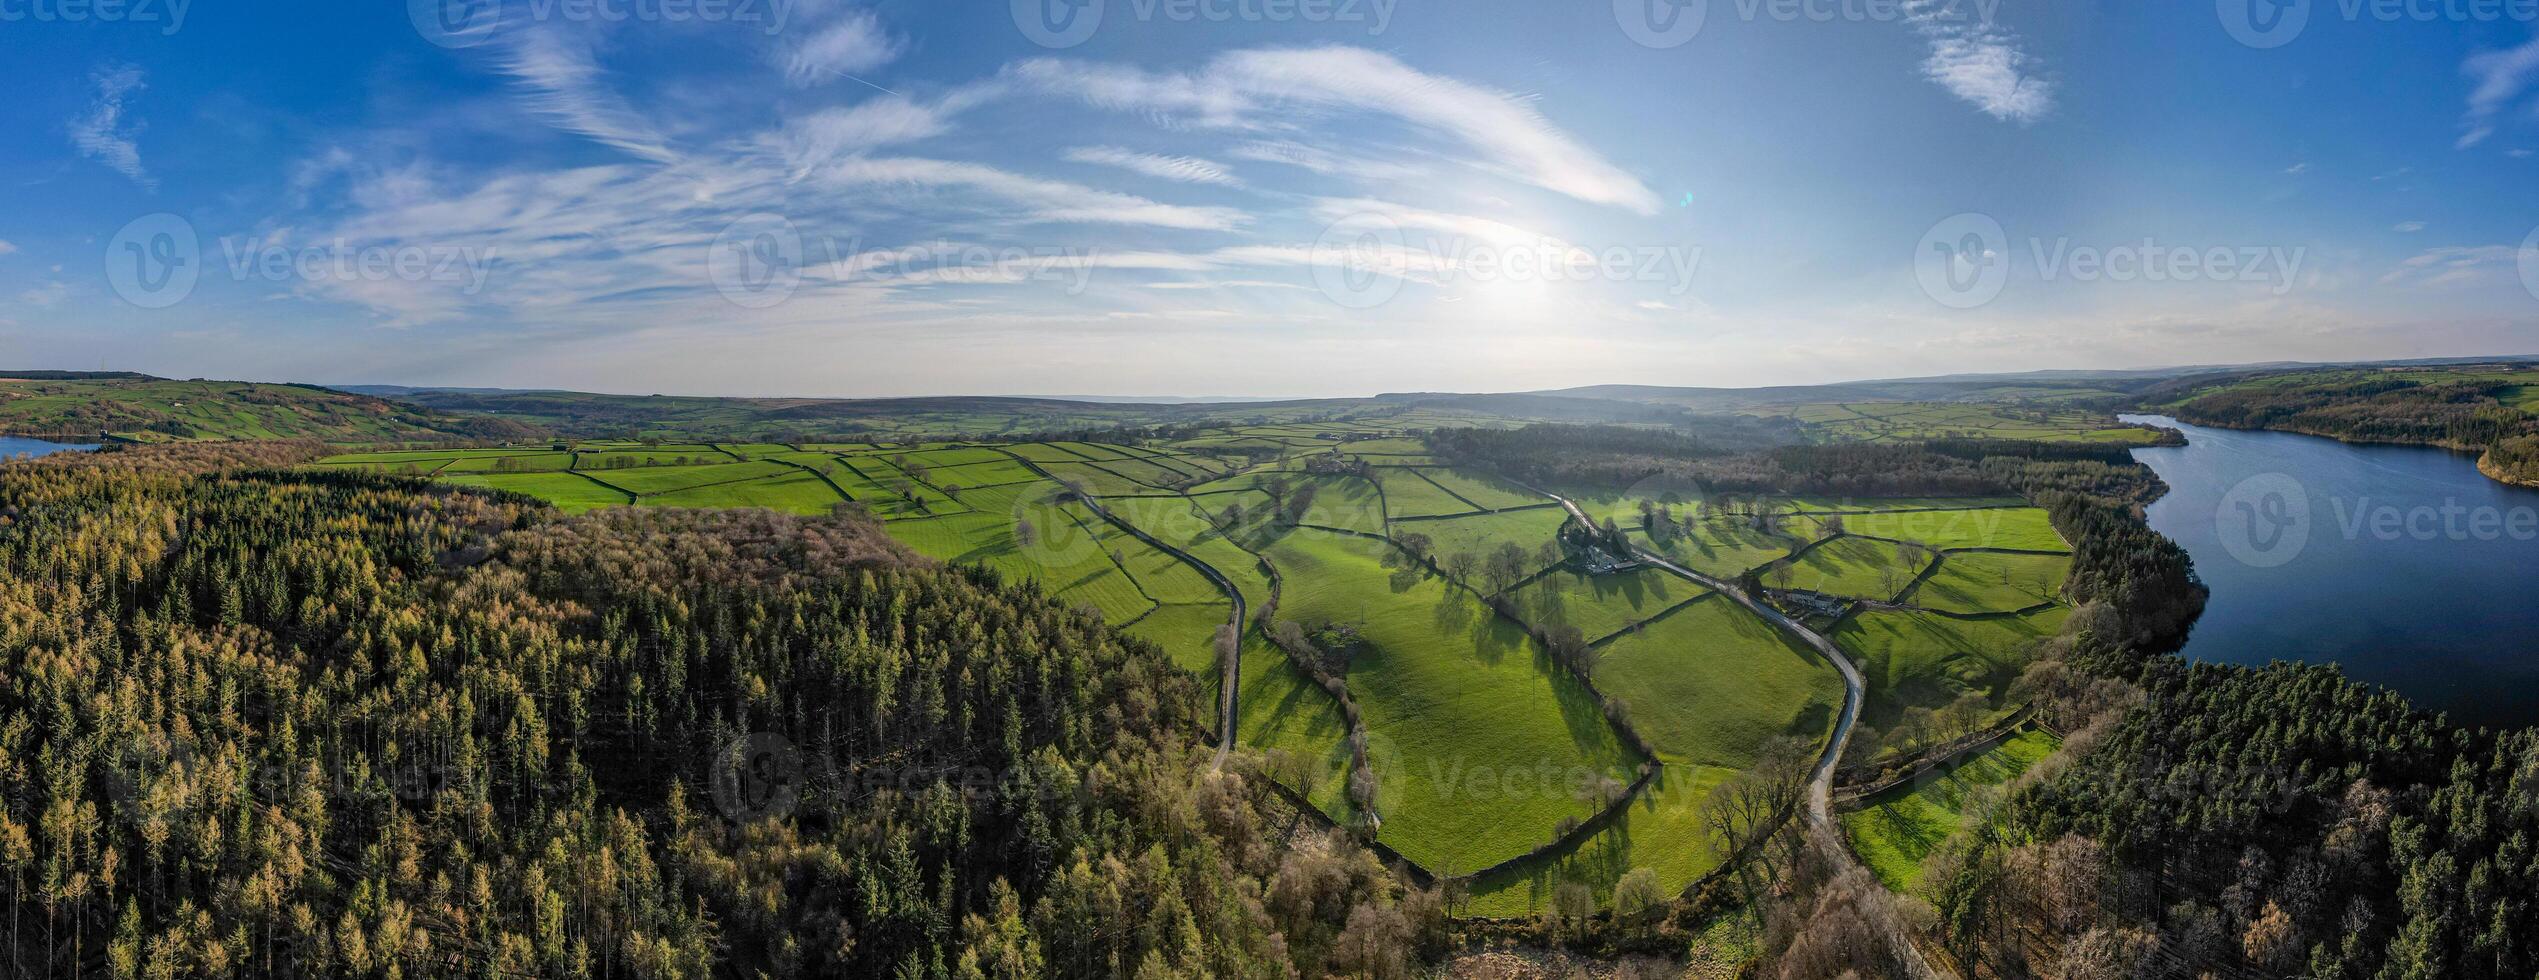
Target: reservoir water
(12, 447)
(2403, 565)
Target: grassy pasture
(1344, 502)
(2013, 528)
(416, 468)
(1710, 683)
(990, 473)
(1407, 493)
(1894, 831)
(1852, 566)
(1283, 713)
(793, 491)
(1721, 547)
(569, 493)
(1600, 605)
(1482, 533)
(1187, 632)
(511, 463)
(1165, 579)
(1465, 715)
(1065, 556)
(1661, 830)
(1098, 479)
(1490, 493)
(649, 480)
(1925, 660)
(1979, 582)
(615, 459)
(1889, 505)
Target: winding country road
(1820, 784)
(1231, 667)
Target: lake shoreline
(2484, 454)
(2281, 529)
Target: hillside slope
(140, 408)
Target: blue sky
(1256, 197)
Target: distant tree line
(2367, 406)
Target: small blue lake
(2404, 565)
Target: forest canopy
(266, 723)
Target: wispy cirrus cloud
(104, 135)
(887, 121)
(855, 44)
(2502, 78)
(1501, 131)
(562, 82)
(1185, 169)
(2452, 265)
(1044, 200)
(1980, 62)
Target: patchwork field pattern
(1481, 744)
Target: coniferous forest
(267, 724)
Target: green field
(1978, 582)
(1480, 534)
(1187, 632)
(568, 492)
(1926, 660)
(1661, 830)
(1857, 567)
(792, 491)
(1474, 735)
(1711, 683)
(1282, 713)
(1600, 605)
(1721, 547)
(1896, 830)
(2008, 528)
(1408, 493)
